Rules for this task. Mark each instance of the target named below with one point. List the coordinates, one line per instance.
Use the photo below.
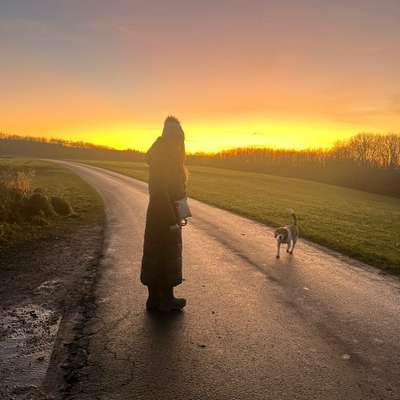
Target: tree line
(369, 162)
(26, 146)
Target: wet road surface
(314, 325)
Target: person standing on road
(162, 250)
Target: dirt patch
(43, 284)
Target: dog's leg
(289, 243)
(278, 248)
(293, 246)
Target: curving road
(314, 325)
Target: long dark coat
(162, 252)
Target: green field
(363, 225)
(55, 181)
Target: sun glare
(215, 135)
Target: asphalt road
(314, 325)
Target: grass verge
(363, 225)
(55, 181)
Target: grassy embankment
(363, 225)
(55, 181)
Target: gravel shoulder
(46, 277)
(43, 286)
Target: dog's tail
(293, 214)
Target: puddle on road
(27, 335)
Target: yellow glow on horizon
(212, 136)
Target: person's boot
(169, 302)
(154, 299)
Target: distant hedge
(369, 162)
(21, 146)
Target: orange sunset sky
(296, 73)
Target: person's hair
(174, 136)
(173, 129)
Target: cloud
(367, 115)
(23, 25)
(38, 29)
(111, 27)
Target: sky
(287, 73)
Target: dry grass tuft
(15, 189)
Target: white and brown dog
(287, 234)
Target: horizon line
(44, 139)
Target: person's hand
(174, 228)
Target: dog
(287, 234)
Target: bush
(61, 206)
(38, 204)
(15, 188)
